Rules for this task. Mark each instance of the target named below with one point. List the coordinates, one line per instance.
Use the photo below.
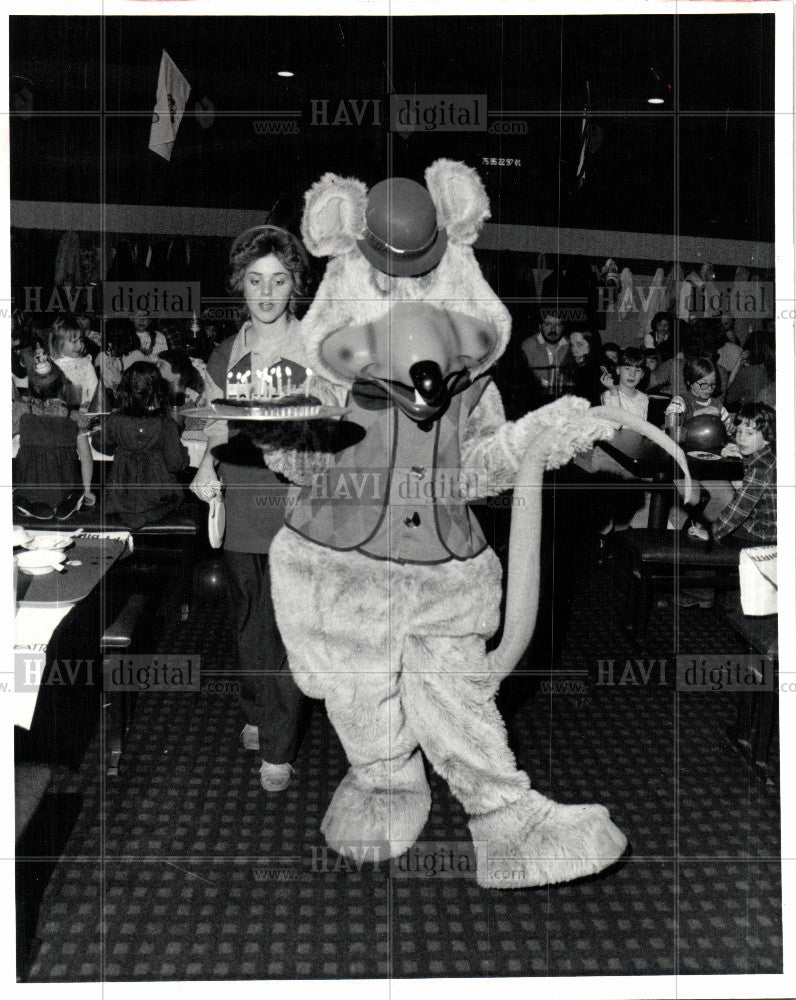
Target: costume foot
(535, 841)
(393, 819)
(250, 737)
(275, 777)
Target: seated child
(54, 456)
(627, 373)
(701, 379)
(617, 506)
(751, 515)
(144, 440)
(68, 351)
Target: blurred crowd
(118, 388)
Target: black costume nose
(427, 378)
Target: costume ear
(460, 198)
(334, 215)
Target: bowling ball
(209, 579)
(704, 432)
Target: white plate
(50, 540)
(38, 561)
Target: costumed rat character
(384, 587)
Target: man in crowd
(546, 350)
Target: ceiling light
(656, 90)
(284, 73)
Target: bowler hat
(402, 237)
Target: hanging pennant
(172, 95)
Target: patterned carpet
(182, 869)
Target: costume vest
(399, 493)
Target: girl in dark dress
(147, 452)
(54, 456)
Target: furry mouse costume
(384, 587)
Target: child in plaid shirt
(751, 515)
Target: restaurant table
(58, 626)
(646, 461)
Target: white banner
(172, 95)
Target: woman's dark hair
(593, 339)
(120, 336)
(261, 241)
(181, 365)
(695, 369)
(143, 391)
(762, 416)
(589, 367)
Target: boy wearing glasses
(701, 378)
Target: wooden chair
(656, 557)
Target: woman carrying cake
(270, 268)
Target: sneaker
(67, 507)
(275, 777)
(250, 737)
(38, 511)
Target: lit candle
(260, 383)
(279, 380)
(289, 377)
(268, 385)
(308, 383)
(231, 385)
(246, 380)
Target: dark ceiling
(701, 164)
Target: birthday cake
(293, 406)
